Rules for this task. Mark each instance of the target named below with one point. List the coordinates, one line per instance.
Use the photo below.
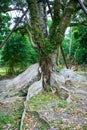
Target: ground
(49, 112)
(45, 111)
(10, 114)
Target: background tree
(4, 25)
(79, 48)
(18, 53)
(78, 53)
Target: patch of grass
(59, 68)
(84, 127)
(2, 71)
(60, 121)
(10, 115)
(67, 127)
(5, 119)
(42, 101)
(45, 101)
(62, 103)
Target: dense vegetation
(17, 54)
(75, 45)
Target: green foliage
(80, 45)
(48, 47)
(4, 19)
(5, 119)
(32, 55)
(4, 4)
(59, 67)
(2, 71)
(4, 25)
(18, 53)
(78, 38)
(49, 23)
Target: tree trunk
(70, 48)
(46, 70)
(42, 17)
(58, 56)
(47, 45)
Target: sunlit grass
(3, 71)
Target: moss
(39, 39)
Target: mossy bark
(39, 37)
(47, 45)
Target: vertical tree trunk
(42, 17)
(58, 56)
(46, 71)
(38, 21)
(70, 47)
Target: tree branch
(63, 54)
(9, 9)
(48, 4)
(79, 23)
(83, 6)
(2, 44)
(29, 34)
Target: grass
(42, 101)
(62, 103)
(3, 71)
(10, 115)
(45, 101)
(5, 119)
(59, 68)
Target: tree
(75, 45)
(18, 53)
(64, 14)
(79, 46)
(4, 25)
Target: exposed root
(41, 119)
(34, 89)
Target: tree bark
(46, 70)
(82, 6)
(58, 56)
(42, 17)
